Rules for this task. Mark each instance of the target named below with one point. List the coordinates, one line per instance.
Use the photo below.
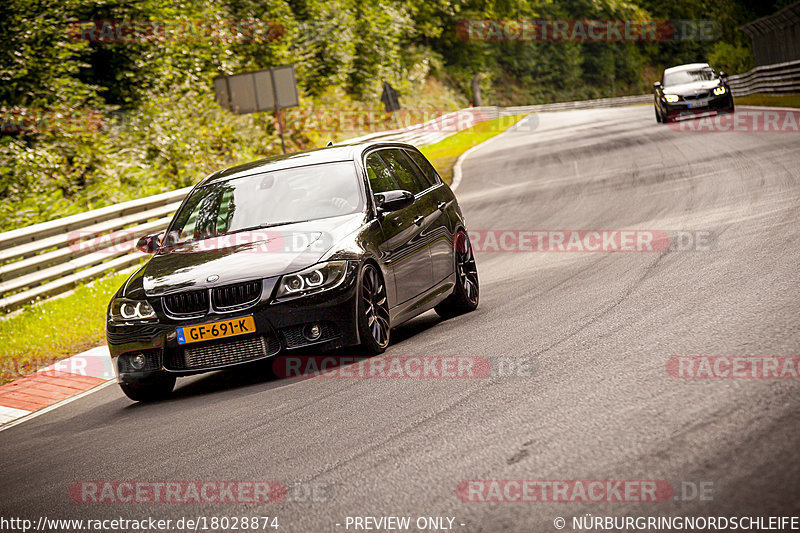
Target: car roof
(328, 154)
(690, 66)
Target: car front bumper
(722, 102)
(280, 326)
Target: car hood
(691, 88)
(242, 256)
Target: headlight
(124, 310)
(719, 90)
(672, 98)
(313, 279)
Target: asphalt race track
(596, 331)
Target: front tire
(149, 390)
(466, 294)
(658, 116)
(730, 109)
(373, 312)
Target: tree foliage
(161, 128)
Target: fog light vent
(312, 332)
(138, 361)
(143, 361)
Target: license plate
(216, 330)
(699, 103)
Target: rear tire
(149, 390)
(374, 328)
(466, 294)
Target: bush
(733, 59)
(171, 140)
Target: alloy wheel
(466, 268)
(376, 309)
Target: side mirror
(723, 75)
(657, 85)
(149, 243)
(393, 200)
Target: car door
(439, 199)
(403, 249)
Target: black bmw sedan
(323, 249)
(691, 89)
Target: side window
(405, 173)
(380, 179)
(427, 169)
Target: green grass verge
(772, 100)
(444, 154)
(54, 329)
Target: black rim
(466, 268)
(376, 311)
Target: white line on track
(457, 166)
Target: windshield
(268, 199)
(689, 76)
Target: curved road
(597, 330)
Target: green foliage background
(161, 128)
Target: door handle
(441, 206)
(418, 220)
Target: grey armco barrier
(781, 78)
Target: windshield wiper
(263, 226)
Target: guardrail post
(476, 90)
